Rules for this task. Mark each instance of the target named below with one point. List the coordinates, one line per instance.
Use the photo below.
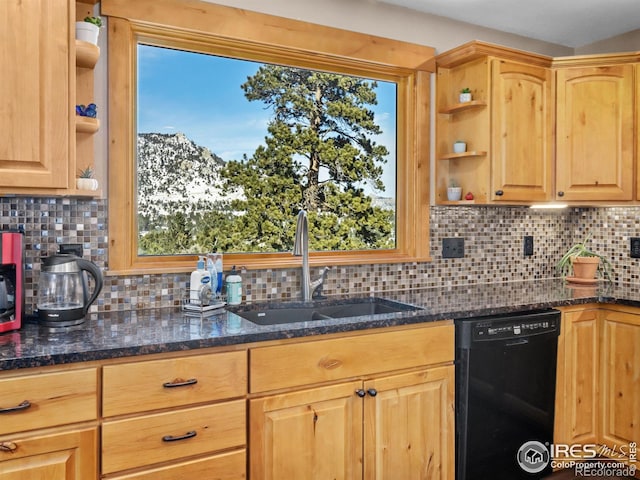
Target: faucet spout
(301, 249)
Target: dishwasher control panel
(495, 330)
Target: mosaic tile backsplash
(493, 239)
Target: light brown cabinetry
(377, 405)
(508, 129)
(36, 95)
(620, 377)
(172, 410)
(578, 390)
(42, 138)
(47, 425)
(598, 387)
(595, 133)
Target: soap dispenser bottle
(213, 273)
(198, 282)
(234, 287)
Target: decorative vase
(87, 32)
(454, 194)
(465, 97)
(86, 184)
(585, 267)
(459, 147)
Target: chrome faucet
(301, 249)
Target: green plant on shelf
(85, 173)
(97, 21)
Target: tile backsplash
(493, 238)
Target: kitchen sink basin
(286, 313)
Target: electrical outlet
(73, 248)
(528, 245)
(453, 247)
(634, 247)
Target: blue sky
(170, 100)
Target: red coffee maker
(11, 280)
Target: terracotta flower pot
(585, 267)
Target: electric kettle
(63, 292)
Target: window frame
(208, 28)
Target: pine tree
(318, 151)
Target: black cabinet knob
(499, 193)
(372, 391)
(361, 393)
(561, 193)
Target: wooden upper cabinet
(35, 100)
(521, 132)
(595, 133)
(508, 127)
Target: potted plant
(459, 146)
(85, 180)
(465, 95)
(583, 263)
(88, 29)
(454, 191)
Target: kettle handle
(95, 272)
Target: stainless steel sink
(288, 313)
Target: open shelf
(457, 202)
(87, 54)
(453, 156)
(87, 124)
(461, 107)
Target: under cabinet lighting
(549, 206)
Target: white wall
(374, 18)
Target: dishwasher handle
(520, 341)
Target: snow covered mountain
(176, 174)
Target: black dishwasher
(505, 393)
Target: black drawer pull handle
(171, 438)
(372, 391)
(499, 193)
(178, 382)
(18, 408)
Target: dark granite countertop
(123, 334)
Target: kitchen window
(135, 30)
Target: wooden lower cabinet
(409, 425)
(59, 456)
(392, 426)
(312, 433)
(577, 391)
(620, 378)
(598, 383)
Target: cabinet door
(65, 456)
(315, 433)
(409, 426)
(594, 137)
(577, 406)
(521, 132)
(35, 105)
(620, 379)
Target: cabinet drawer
(146, 440)
(225, 466)
(144, 386)
(55, 399)
(285, 366)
